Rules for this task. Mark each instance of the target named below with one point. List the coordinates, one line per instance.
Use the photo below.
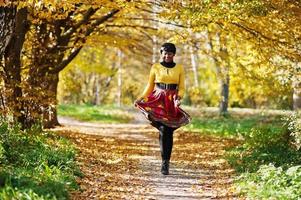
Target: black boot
(165, 167)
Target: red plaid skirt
(160, 107)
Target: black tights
(165, 139)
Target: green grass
(264, 139)
(102, 114)
(233, 126)
(35, 164)
(268, 165)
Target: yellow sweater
(161, 74)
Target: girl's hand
(177, 100)
(137, 101)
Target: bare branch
(131, 26)
(76, 50)
(156, 20)
(66, 61)
(148, 11)
(257, 33)
(85, 20)
(101, 20)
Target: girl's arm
(150, 85)
(181, 83)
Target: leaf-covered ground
(122, 161)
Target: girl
(161, 99)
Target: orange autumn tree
(55, 33)
(270, 30)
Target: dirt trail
(123, 162)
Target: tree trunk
(193, 56)
(119, 66)
(221, 60)
(296, 84)
(43, 92)
(155, 59)
(297, 99)
(12, 68)
(97, 90)
(155, 50)
(50, 111)
(7, 23)
(223, 108)
(194, 66)
(46, 63)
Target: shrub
(271, 182)
(293, 124)
(35, 164)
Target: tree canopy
(235, 52)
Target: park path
(122, 161)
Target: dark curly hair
(168, 47)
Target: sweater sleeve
(181, 83)
(150, 85)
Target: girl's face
(167, 56)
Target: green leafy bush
(263, 136)
(271, 182)
(264, 145)
(35, 164)
(268, 163)
(9, 193)
(293, 124)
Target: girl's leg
(166, 143)
(169, 142)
